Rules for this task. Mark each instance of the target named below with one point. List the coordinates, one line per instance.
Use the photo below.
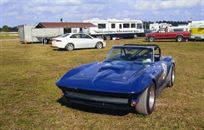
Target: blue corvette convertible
(130, 77)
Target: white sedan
(71, 41)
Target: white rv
(111, 28)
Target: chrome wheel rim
(70, 47)
(173, 76)
(151, 39)
(179, 39)
(99, 46)
(151, 97)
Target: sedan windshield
(65, 35)
(136, 54)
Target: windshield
(136, 54)
(64, 35)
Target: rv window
(132, 25)
(139, 26)
(112, 25)
(101, 26)
(126, 25)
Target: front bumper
(99, 99)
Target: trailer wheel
(151, 39)
(135, 36)
(179, 39)
(108, 37)
(69, 47)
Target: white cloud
(165, 4)
(3, 2)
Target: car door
(88, 41)
(77, 41)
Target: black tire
(69, 47)
(99, 45)
(173, 76)
(151, 39)
(108, 37)
(135, 36)
(147, 100)
(179, 39)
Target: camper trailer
(28, 33)
(179, 28)
(197, 29)
(113, 28)
(44, 31)
(155, 27)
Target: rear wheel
(173, 76)
(146, 102)
(151, 39)
(69, 47)
(99, 45)
(179, 39)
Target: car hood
(110, 76)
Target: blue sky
(16, 12)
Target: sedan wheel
(99, 45)
(69, 47)
(146, 102)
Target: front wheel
(99, 45)
(146, 102)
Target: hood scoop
(115, 68)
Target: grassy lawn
(29, 98)
(7, 35)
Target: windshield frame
(131, 47)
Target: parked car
(179, 36)
(130, 77)
(71, 41)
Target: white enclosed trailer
(116, 28)
(197, 29)
(28, 33)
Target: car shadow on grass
(91, 109)
(78, 49)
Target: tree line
(6, 28)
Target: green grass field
(29, 98)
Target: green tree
(5, 28)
